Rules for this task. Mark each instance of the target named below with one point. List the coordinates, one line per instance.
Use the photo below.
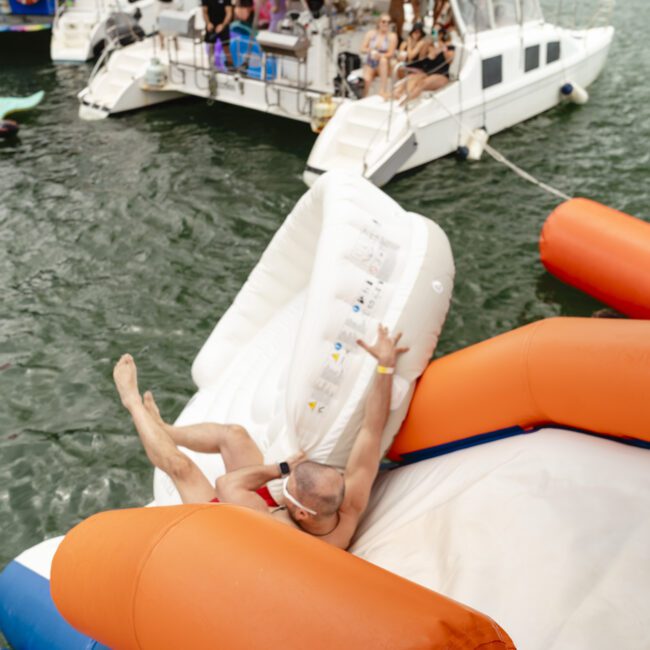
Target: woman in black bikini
(430, 73)
(413, 48)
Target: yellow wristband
(385, 370)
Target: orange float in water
(603, 252)
(220, 576)
(585, 373)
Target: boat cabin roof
(473, 16)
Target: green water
(134, 234)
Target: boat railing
(393, 83)
(389, 119)
(603, 14)
(577, 16)
(247, 60)
(112, 43)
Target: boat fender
(574, 93)
(8, 128)
(155, 75)
(476, 144)
(322, 112)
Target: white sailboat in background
(509, 65)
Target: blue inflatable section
(28, 618)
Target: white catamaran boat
(83, 28)
(509, 65)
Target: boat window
(530, 10)
(505, 12)
(531, 60)
(492, 71)
(475, 14)
(552, 51)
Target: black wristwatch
(285, 470)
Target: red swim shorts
(264, 493)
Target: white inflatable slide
(283, 360)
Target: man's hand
(384, 349)
(219, 28)
(209, 27)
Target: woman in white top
(379, 47)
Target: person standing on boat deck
(379, 46)
(396, 13)
(278, 12)
(217, 15)
(318, 498)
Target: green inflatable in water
(13, 105)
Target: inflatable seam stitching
(145, 561)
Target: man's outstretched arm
(363, 464)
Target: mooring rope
(499, 157)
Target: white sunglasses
(293, 499)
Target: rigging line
(476, 30)
(499, 157)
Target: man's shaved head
(320, 487)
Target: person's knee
(238, 433)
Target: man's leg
(232, 441)
(191, 483)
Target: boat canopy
(474, 16)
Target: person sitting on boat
(413, 48)
(379, 46)
(217, 15)
(430, 73)
(318, 498)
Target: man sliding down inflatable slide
(318, 499)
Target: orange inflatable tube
(585, 373)
(601, 251)
(219, 576)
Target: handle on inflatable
(601, 251)
(583, 373)
(206, 576)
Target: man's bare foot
(152, 407)
(125, 375)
